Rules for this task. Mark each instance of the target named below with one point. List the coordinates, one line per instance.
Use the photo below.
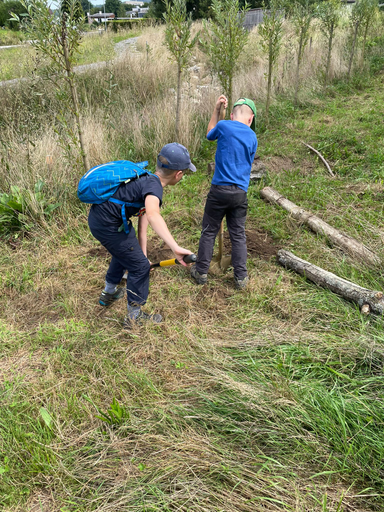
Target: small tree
(301, 15)
(58, 39)
(270, 31)
(329, 13)
(370, 9)
(225, 40)
(72, 8)
(6, 9)
(356, 19)
(179, 43)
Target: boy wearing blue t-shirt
(236, 148)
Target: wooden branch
(345, 242)
(367, 300)
(321, 158)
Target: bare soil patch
(259, 244)
(276, 164)
(98, 252)
(279, 164)
(159, 251)
(360, 189)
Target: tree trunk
(270, 65)
(75, 100)
(349, 291)
(178, 101)
(330, 41)
(365, 39)
(298, 67)
(353, 48)
(230, 88)
(348, 244)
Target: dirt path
(11, 46)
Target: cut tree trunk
(348, 244)
(367, 300)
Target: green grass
(10, 37)
(18, 62)
(15, 62)
(125, 35)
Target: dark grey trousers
(231, 202)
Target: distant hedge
(116, 25)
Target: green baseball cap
(251, 105)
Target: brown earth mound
(98, 252)
(276, 164)
(158, 251)
(259, 244)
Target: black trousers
(126, 255)
(231, 202)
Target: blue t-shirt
(236, 148)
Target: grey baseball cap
(175, 157)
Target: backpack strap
(123, 205)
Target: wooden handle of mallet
(189, 258)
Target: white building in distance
(133, 2)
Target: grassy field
(268, 400)
(8, 37)
(95, 47)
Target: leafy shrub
(5, 9)
(20, 209)
(117, 25)
(115, 415)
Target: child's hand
(221, 100)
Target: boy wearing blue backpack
(141, 195)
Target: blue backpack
(101, 182)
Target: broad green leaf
(47, 418)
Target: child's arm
(222, 100)
(157, 223)
(142, 233)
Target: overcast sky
(54, 4)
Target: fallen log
(368, 300)
(345, 242)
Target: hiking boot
(106, 299)
(241, 284)
(199, 278)
(140, 319)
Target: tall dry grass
(129, 106)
